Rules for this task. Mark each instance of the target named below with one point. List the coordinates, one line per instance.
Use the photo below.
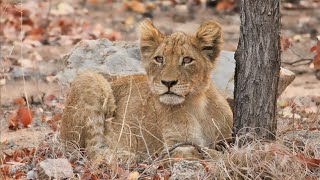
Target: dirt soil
(45, 96)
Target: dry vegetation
(35, 34)
(255, 160)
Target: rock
(55, 168)
(305, 138)
(102, 56)
(286, 77)
(187, 170)
(123, 58)
(31, 175)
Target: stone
(31, 175)
(55, 169)
(187, 170)
(286, 77)
(123, 58)
(115, 59)
(305, 138)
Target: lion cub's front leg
(89, 103)
(179, 133)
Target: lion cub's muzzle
(171, 92)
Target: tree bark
(257, 68)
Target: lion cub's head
(179, 65)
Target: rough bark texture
(257, 68)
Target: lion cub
(175, 101)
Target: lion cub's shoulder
(126, 80)
(134, 84)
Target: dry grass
(280, 159)
(255, 160)
(261, 160)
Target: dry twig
(299, 62)
(198, 148)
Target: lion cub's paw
(211, 153)
(186, 153)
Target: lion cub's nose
(169, 84)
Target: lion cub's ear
(209, 39)
(150, 38)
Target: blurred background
(36, 34)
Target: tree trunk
(257, 68)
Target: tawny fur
(133, 114)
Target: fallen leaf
(114, 35)
(51, 79)
(156, 177)
(129, 21)
(313, 48)
(63, 9)
(316, 59)
(5, 170)
(16, 11)
(50, 97)
(137, 7)
(36, 34)
(282, 103)
(166, 174)
(53, 125)
(177, 156)
(20, 101)
(43, 118)
(24, 115)
(150, 6)
(225, 5)
(311, 162)
(92, 1)
(310, 178)
(18, 174)
(284, 43)
(133, 175)
(205, 165)
(287, 112)
(57, 117)
(314, 129)
(4, 141)
(13, 120)
(89, 175)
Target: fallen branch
(295, 63)
(302, 59)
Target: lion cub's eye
(159, 59)
(187, 60)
